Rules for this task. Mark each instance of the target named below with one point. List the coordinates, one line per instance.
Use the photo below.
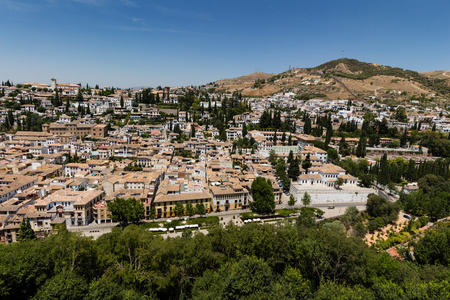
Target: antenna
(343, 54)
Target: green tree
(263, 197)
(339, 182)
(350, 216)
(308, 216)
(400, 114)
(190, 210)
(26, 233)
(361, 148)
(103, 289)
(283, 137)
(366, 179)
(121, 102)
(291, 201)
(360, 229)
(244, 130)
(248, 278)
(333, 155)
(294, 168)
(79, 96)
(306, 164)
(179, 209)
(56, 100)
(307, 125)
(200, 209)
(126, 211)
(306, 199)
(434, 248)
(152, 215)
(63, 286)
(192, 130)
(272, 157)
(430, 182)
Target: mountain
(354, 69)
(344, 78)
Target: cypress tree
(306, 164)
(361, 148)
(294, 169)
(307, 126)
(383, 175)
(26, 233)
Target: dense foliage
(126, 211)
(249, 262)
(396, 170)
(381, 212)
(431, 199)
(263, 197)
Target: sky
(134, 43)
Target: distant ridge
(251, 78)
(341, 79)
(354, 69)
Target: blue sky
(127, 43)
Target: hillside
(245, 79)
(361, 78)
(444, 75)
(354, 69)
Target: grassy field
(249, 215)
(285, 212)
(204, 220)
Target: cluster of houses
(70, 171)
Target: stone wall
(346, 195)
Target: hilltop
(344, 78)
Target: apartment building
(77, 129)
(229, 197)
(10, 185)
(165, 204)
(75, 208)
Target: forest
(254, 261)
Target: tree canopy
(26, 233)
(255, 261)
(126, 211)
(263, 197)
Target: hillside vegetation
(305, 261)
(357, 70)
